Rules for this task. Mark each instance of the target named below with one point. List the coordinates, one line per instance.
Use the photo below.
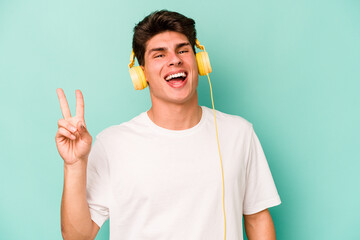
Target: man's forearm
(76, 221)
(259, 226)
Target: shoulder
(228, 120)
(134, 125)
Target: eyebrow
(179, 45)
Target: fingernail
(72, 137)
(72, 129)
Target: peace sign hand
(73, 141)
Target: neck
(175, 116)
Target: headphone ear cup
(203, 62)
(138, 78)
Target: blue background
(292, 68)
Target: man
(158, 176)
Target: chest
(157, 168)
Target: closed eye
(183, 51)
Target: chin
(187, 98)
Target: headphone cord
(222, 171)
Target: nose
(175, 60)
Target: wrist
(79, 165)
(75, 174)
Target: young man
(158, 176)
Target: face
(170, 68)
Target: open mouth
(180, 76)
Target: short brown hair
(158, 22)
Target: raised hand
(73, 141)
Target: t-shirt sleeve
(260, 192)
(97, 184)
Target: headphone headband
(132, 59)
(198, 45)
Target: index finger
(63, 103)
(79, 104)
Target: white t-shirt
(160, 184)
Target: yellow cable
(222, 171)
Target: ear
(143, 68)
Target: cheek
(195, 70)
(152, 70)
(148, 73)
(152, 75)
(194, 66)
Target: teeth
(176, 75)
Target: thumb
(83, 132)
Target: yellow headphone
(202, 58)
(138, 77)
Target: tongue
(176, 79)
(176, 82)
